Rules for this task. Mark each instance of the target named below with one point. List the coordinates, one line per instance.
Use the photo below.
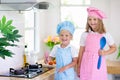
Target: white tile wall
(17, 59)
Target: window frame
(77, 29)
(34, 29)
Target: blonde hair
(100, 28)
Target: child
(90, 47)
(66, 54)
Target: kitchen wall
(17, 59)
(115, 22)
(48, 20)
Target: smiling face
(93, 23)
(65, 38)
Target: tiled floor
(113, 77)
(110, 77)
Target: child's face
(65, 37)
(93, 22)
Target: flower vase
(46, 54)
(46, 57)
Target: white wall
(17, 59)
(48, 20)
(112, 23)
(115, 22)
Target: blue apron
(64, 57)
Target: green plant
(9, 35)
(118, 52)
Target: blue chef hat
(66, 25)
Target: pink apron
(89, 62)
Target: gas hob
(29, 71)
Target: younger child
(65, 53)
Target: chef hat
(66, 25)
(95, 12)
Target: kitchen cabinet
(50, 78)
(113, 67)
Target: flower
(50, 41)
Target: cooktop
(29, 71)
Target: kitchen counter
(46, 76)
(49, 75)
(113, 67)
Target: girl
(66, 54)
(90, 47)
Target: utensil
(102, 45)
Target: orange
(54, 61)
(50, 63)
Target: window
(30, 30)
(75, 2)
(75, 11)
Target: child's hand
(62, 69)
(78, 72)
(101, 52)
